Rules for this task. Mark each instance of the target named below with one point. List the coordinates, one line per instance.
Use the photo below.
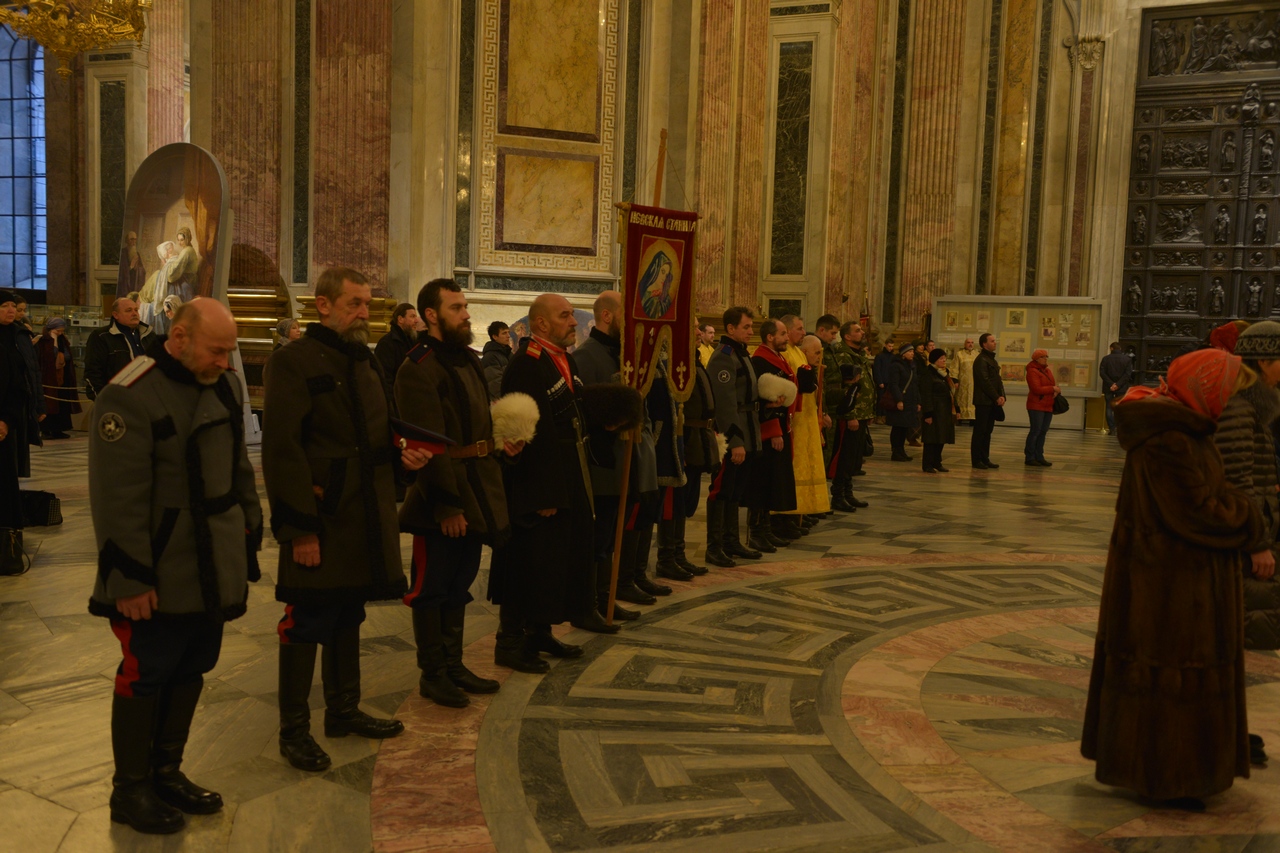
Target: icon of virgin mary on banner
(657, 290)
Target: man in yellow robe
(963, 370)
(812, 498)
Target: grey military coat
(733, 383)
(172, 493)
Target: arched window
(23, 234)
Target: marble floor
(910, 677)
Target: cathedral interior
(1067, 173)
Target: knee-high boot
(133, 798)
(434, 683)
(759, 531)
(297, 666)
(340, 673)
(453, 623)
(631, 566)
(716, 555)
(510, 647)
(733, 536)
(173, 726)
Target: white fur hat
(771, 387)
(515, 418)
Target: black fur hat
(612, 406)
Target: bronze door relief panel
(1201, 241)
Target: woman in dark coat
(1041, 392)
(58, 371)
(937, 411)
(1166, 708)
(904, 417)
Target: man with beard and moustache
(599, 362)
(733, 386)
(329, 464)
(773, 485)
(395, 344)
(168, 444)
(456, 504)
(544, 574)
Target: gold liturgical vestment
(964, 360)
(806, 442)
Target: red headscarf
(1224, 337)
(1202, 381)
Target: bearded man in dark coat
(544, 573)
(774, 478)
(1166, 708)
(329, 464)
(456, 504)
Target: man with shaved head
(167, 442)
(543, 574)
(110, 347)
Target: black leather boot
(453, 622)
(340, 672)
(297, 665)
(675, 536)
(839, 502)
(672, 571)
(715, 537)
(176, 709)
(758, 521)
(595, 623)
(133, 798)
(733, 537)
(540, 639)
(850, 499)
(629, 565)
(434, 683)
(511, 650)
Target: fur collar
(1265, 401)
(1139, 420)
(323, 334)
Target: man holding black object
(456, 503)
(988, 402)
(330, 469)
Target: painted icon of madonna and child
(175, 279)
(660, 282)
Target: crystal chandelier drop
(67, 29)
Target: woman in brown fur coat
(1166, 708)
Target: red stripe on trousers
(128, 675)
(631, 519)
(717, 481)
(841, 427)
(419, 569)
(285, 624)
(668, 503)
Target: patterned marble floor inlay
(910, 677)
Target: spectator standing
(496, 356)
(880, 365)
(1116, 370)
(58, 375)
(36, 411)
(937, 411)
(1041, 392)
(1165, 714)
(706, 343)
(110, 347)
(288, 330)
(988, 401)
(395, 345)
(904, 386)
(14, 406)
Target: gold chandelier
(67, 29)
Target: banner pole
(662, 166)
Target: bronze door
(1201, 217)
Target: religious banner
(657, 295)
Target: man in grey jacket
(168, 441)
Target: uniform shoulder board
(419, 353)
(534, 349)
(133, 371)
(726, 349)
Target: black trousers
(932, 456)
(164, 650)
(318, 623)
(898, 440)
(442, 570)
(849, 449)
(730, 482)
(984, 423)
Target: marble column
(1086, 55)
(166, 34)
(1013, 139)
(751, 133)
(929, 212)
(715, 170)
(351, 137)
(64, 129)
(246, 115)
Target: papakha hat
(1260, 340)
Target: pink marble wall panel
(351, 136)
(928, 223)
(246, 115)
(166, 28)
(1084, 139)
(715, 157)
(748, 178)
